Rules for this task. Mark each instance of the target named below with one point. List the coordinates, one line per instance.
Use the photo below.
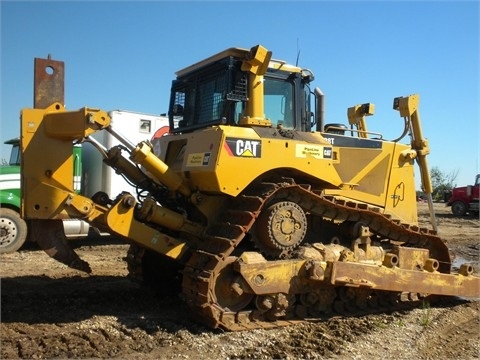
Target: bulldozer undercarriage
(214, 284)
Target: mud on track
(51, 311)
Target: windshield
(279, 102)
(15, 155)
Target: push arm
(408, 108)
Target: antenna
(298, 54)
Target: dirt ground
(51, 311)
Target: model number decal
(244, 147)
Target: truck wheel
(459, 208)
(13, 231)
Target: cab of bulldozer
(216, 92)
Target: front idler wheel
(228, 292)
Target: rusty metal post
(49, 82)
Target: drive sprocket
(280, 228)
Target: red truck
(465, 199)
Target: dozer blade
(50, 237)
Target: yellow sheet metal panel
(227, 159)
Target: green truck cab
(13, 229)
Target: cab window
(278, 104)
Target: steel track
(201, 271)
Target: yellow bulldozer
(266, 215)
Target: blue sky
(123, 55)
